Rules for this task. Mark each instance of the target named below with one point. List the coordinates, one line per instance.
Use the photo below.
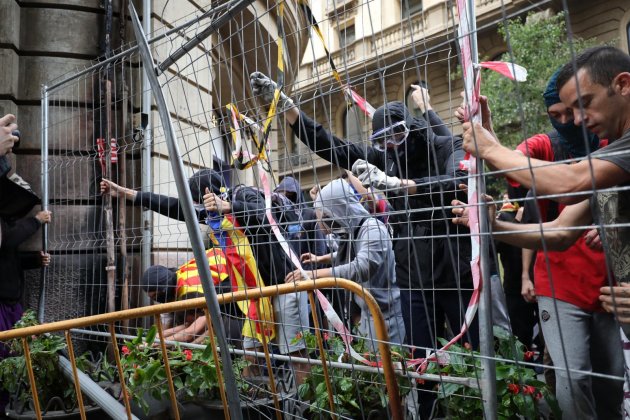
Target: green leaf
(304, 391)
(151, 333)
(207, 353)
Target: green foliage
(194, 371)
(518, 389)
(354, 392)
(48, 377)
(541, 46)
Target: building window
(347, 36)
(411, 7)
(352, 125)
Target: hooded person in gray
(365, 256)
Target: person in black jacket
(12, 266)
(417, 162)
(247, 204)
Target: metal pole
(237, 7)
(190, 216)
(44, 181)
(147, 148)
(97, 394)
(486, 336)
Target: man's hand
(44, 258)
(294, 276)
(621, 308)
(7, 139)
(592, 240)
(527, 289)
(486, 113)
(213, 202)
(420, 96)
(115, 190)
(314, 192)
(462, 209)
(264, 88)
(43, 216)
(477, 140)
(370, 175)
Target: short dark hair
(602, 63)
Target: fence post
(44, 183)
(486, 336)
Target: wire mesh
(408, 254)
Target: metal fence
(101, 123)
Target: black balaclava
(207, 178)
(571, 135)
(162, 280)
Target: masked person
(225, 234)
(311, 238)
(419, 171)
(365, 256)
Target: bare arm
(549, 179)
(555, 237)
(189, 333)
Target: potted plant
(357, 394)
(194, 373)
(56, 394)
(520, 394)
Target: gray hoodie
(373, 263)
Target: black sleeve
(444, 186)
(248, 206)
(332, 148)
(166, 206)
(30, 260)
(438, 126)
(13, 236)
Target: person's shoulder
(621, 144)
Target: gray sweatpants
(591, 344)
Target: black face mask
(572, 138)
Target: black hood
(207, 178)
(393, 112)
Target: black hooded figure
(432, 260)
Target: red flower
(528, 390)
(125, 350)
(188, 354)
(538, 395)
(326, 336)
(513, 388)
(529, 355)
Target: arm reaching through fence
(557, 235)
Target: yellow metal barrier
(199, 303)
